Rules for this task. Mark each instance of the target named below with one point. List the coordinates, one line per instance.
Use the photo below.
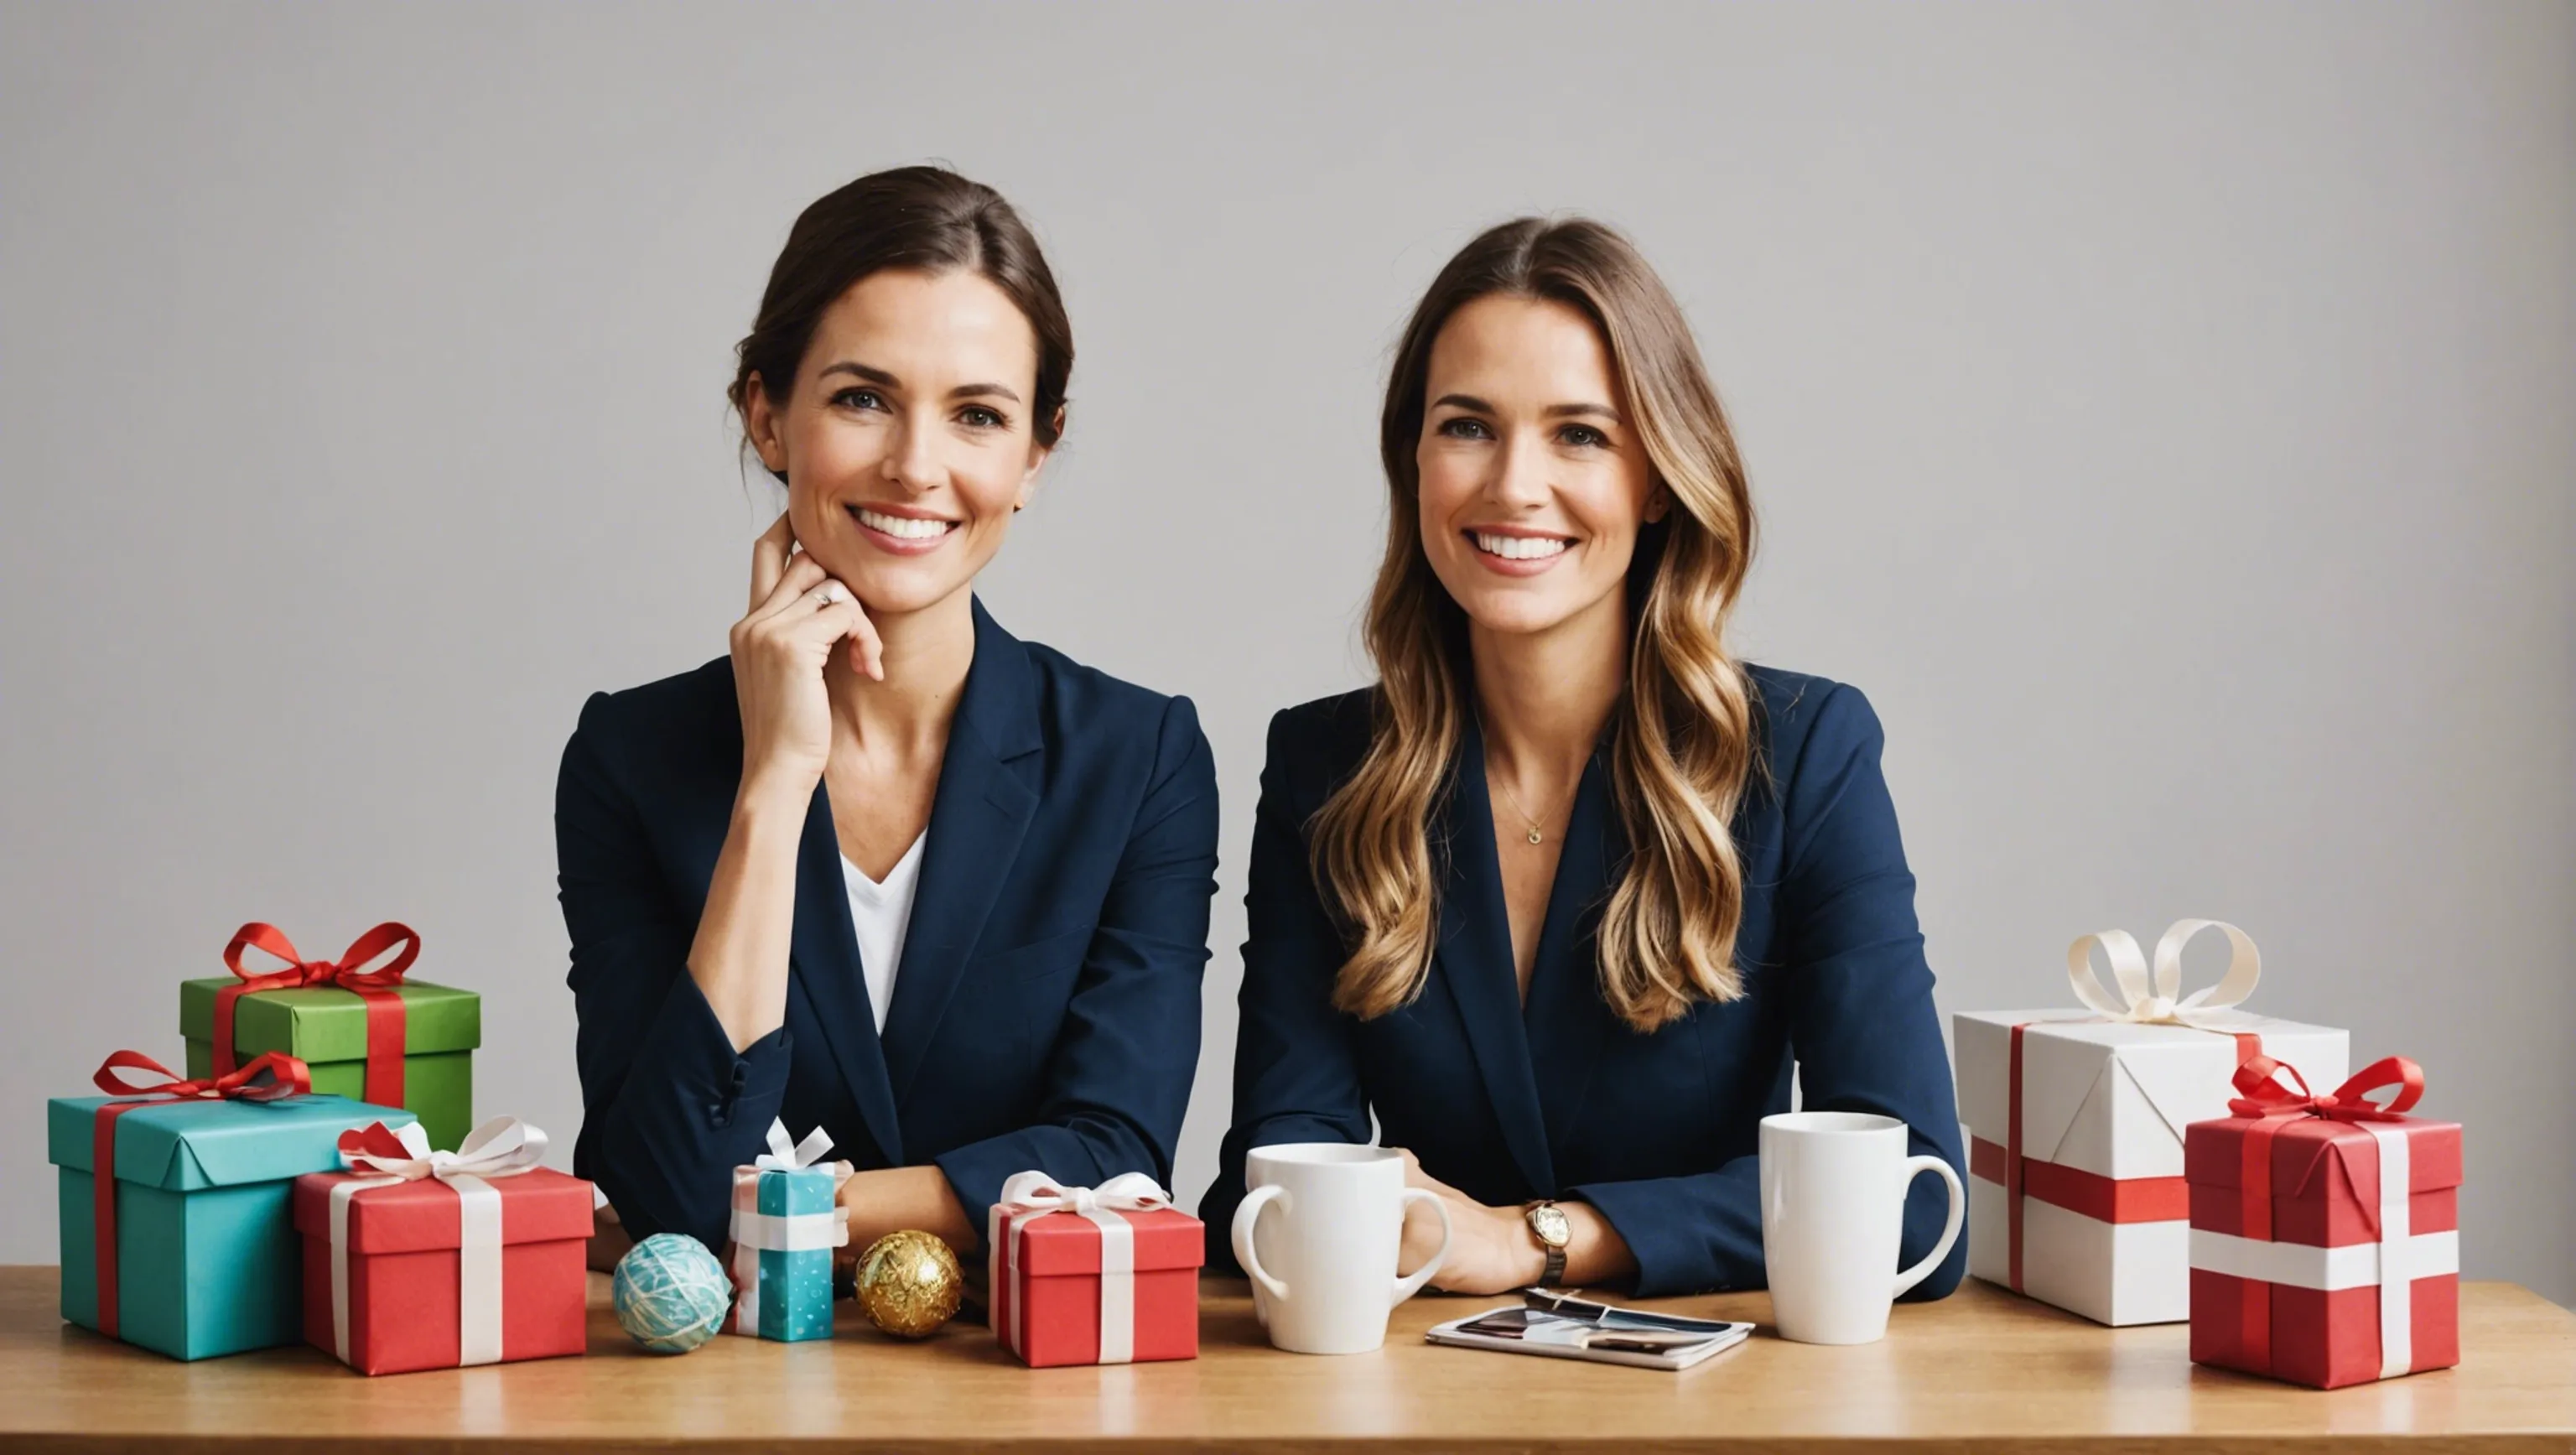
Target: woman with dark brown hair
(885, 869)
(1562, 901)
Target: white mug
(1833, 1218)
(1323, 1262)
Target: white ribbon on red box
(1035, 1193)
(2401, 1255)
(501, 1147)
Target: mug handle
(1915, 1167)
(1245, 1214)
(1411, 1284)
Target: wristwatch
(1547, 1224)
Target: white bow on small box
(781, 1157)
(1030, 1195)
(501, 1147)
(755, 1232)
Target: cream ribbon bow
(1126, 1192)
(501, 1147)
(1034, 1194)
(783, 1157)
(2158, 1001)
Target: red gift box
(1085, 1276)
(2325, 1245)
(437, 1260)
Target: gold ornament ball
(909, 1283)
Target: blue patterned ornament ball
(671, 1293)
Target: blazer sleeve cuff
(690, 1110)
(1687, 1234)
(687, 1047)
(976, 1171)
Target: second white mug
(1833, 1215)
(1319, 1233)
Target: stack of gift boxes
(2152, 1157)
(317, 1176)
(312, 1178)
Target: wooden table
(1980, 1371)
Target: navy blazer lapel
(825, 955)
(987, 795)
(1475, 958)
(1568, 1022)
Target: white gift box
(2105, 1094)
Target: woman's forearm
(891, 1199)
(1595, 1253)
(739, 958)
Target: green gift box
(327, 1026)
(204, 1255)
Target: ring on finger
(829, 594)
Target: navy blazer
(1557, 1098)
(1045, 1015)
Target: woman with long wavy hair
(1563, 900)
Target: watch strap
(1554, 1248)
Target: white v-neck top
(881, 910)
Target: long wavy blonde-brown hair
(1682, 735)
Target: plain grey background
(2162, 412)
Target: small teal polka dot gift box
(787, 1219)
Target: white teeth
(1519, 548)
(904, 527)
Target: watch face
(1549, 1223)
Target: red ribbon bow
(384, 1077)
(372, 1140)
(2273, 1107)
(2265, 1096)
(270, 1077)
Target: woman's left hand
(1491, 1249)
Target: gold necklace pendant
(1514, 800)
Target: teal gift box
(206, 1257)
(787, 1219)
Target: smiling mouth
(1517, 548)
(901, 527)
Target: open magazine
(1562, 1326)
